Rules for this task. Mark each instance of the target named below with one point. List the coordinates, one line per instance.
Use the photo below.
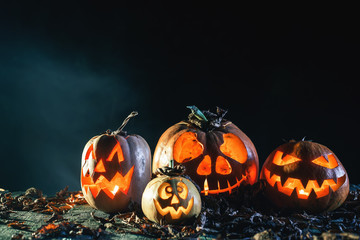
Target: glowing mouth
(304, 192)
(110, 188)
(207, 191)
(175, 214)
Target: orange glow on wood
(187, 147)
(303, 192)
(222, 166)
(48, 227)
(281, 161)
(204, 167)
(116, 150)
(175, 214)
(234, 148)
(208, 191)
(332, 163)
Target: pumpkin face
(305, 175)
(174, 200)
(219, 159)
(115, 169)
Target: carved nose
(222, 166)
(204, 167)
(174, 200)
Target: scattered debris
(18, 225)
(33, 200)
(244, 214)
(65, 229)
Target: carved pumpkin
(170, 198)
(115, 168)
(305, 175)
(218, 156)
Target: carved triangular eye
(282, 161)
(100, 166)
(116, 150)
(321, 161)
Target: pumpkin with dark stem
(218, 156)
(115, 168)
(305, 175)
(170, 198)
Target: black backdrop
(71, 71)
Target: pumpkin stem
(131, 115)
(177, 170)
(206, 120)
(197, 113)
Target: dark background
(71, 71)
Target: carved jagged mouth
(110, 188)
(175, 214)
(304, 192)
(208, 191)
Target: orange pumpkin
(305, 175)
(217, 155)
(115, 169)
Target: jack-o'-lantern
(115, 168)
(218, 156)
(170, 198)
(305, 175)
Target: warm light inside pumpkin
(222, 166)
(116, 184)
(204, 167)
(187, 147)
(116, 150)
(174, 200)
(332, 163)
(109, 187)
(182, 190)
(303, 192)
(90, 151)
(100, 166)
(281, 161)
(234, 148)
(165, 191)
(208, 191)
(175, 214)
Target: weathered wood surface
(221, 217)
(79, 214)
